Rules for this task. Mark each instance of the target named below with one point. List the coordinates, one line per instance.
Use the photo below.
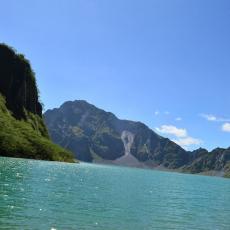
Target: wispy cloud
(156, 113)
(226, 127)
(211, 117)
(173, 130)
(178, 119)
(183, 139)
(185, 142)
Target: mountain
(95, 135)
(22, 129)
(217, 161)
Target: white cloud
(178, 119)
(226, 127)
(173, 130)
(156, 113)
(182, 137)
(187, 141)
(211, 117)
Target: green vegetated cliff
(93, 134)
(22, 130)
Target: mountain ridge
(95, 135)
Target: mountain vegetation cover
(95, 135)
(22, 130)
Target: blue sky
(165, 63)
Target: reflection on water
(12, 187)
(46, 195)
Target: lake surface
(49, 195)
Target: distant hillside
(22, 130)
(94, 135)
(216, 161)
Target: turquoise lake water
(48, 195)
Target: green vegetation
(22, 130)
(18, 83)
(203, 161)
(227, 170)
(19, 138)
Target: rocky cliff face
(202, 161)
(18, 84)
(22, 130)
(93, 134)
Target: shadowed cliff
(93, 134)
(18, 84)
(22, 130)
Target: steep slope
(22, 130)
(93, 135)
(98, 136)
(18, 84)
(216, 161)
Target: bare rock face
(217, 160)
(128, 159)
(127, 138)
